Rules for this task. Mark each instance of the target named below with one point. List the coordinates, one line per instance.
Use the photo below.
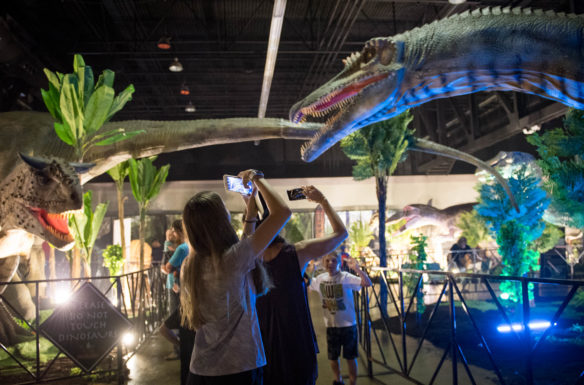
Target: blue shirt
(181, 252)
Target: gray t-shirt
(230, 341)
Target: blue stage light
(518, 327)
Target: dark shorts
(173, 320)
(251, 377)
(346, 338)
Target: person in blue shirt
(180, 252)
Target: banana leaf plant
(360, 235)
(119, 174)
(146, 181)
(80, 106)
(85, 226)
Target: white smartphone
(234, 183)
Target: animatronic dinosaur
(419, 215)
(509, 49)
(34, 193)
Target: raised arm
(250, 216)
(353, 265)
(279, 212)
(317, 247)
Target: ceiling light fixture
(164, 43)
(175, 66)
(184, 90)
(190, 107)
(456, 2)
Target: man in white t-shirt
(336, 291)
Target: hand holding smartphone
(296, 194)
(235, 184)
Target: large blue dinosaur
(492, 49)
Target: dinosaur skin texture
(491, 49)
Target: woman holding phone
(218, 294)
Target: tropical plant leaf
(120, 101)
(51, 104)
(53, 78)
(118, 137)
(119, 172)
(64, 133)
(70, 106)
(98, 108)
(106, 78)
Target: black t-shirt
(458, 253)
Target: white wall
(344, 193)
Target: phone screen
(296, 194)
(234, 183)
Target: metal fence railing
(431, 329)
(140, 296)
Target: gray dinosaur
(36, 190)
(508, 49)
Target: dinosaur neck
(33, 133)
(169, 136)
(515, 50)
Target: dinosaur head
(37, 196)
(354, 98)
(415, 216)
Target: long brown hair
(209, 232)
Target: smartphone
(234, 183)
(296, 194)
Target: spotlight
(504, 296)
(128, 338)
(175, 66)
(456, 2)
(190, 107)
(61, 296)
(164, 43)
(184, 90)
(533, 325)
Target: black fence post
(402, 317)
(526, 317)
(367, 331)
(37, 337)
(119, 289)
(453, 343)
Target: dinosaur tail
(430, 147)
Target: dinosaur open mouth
(56, 224)
(325, 107)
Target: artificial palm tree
(146, 181)
(378, 149)
(85, 227)
(119, 173)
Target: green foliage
(85, 225)
(145, 179)
(379, 147)
(360, 234)
(419, 245)
(561, 160)
(515, 230)
(113, 259)
(80, 106)
(474, 228)
(119, 173)
(549, 238)
(292, 231)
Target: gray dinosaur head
(352, 99)
(36, 197)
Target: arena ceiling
(222, 47)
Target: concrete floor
(149, 366)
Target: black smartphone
(296, 194)
(234, 183)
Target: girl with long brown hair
(218, 293)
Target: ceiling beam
(539, 117)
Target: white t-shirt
(336, 293)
